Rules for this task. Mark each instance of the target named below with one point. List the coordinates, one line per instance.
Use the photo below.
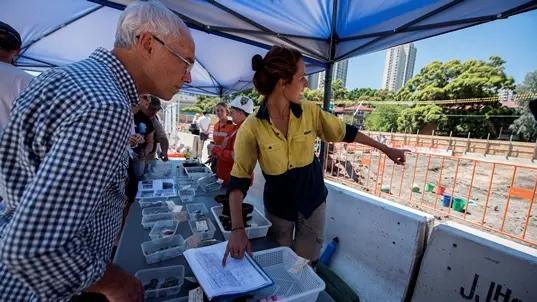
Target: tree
(192, 109)
(356, 93)
(383, 118)
(457, 80)
(414, 119)
(251, 93)
(338, 90)
(206, 103)
(525, 126)
(316, 95)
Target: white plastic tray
(203, 235)
(159, 250)
(156, 231)
(196, 173)
(187, 195)
(302, 286)
(149, 221)
(261, 230)
(145, 275)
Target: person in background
(64, 156)
(220, 130)
(281, 135)
(241, 108)
(12, 79)
(204, 125)
(160, 141)
(143, 127)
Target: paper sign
(195, 295)
(177, 209)
(299, 265)
(201, 226)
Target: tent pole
(326, 104)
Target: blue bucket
(447, 200)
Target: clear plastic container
(149, 221)
(302, 286)
(156, 210)
(187, 195)
(159, 276)
(207, 180)
(196, 173)
(259, 224)
(212, 187)
(152, 202)
(163, 229)
(196, 211)
(163, 249)
(204, 228)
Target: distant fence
(462, 145)
(497, 196)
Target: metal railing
(494, 195)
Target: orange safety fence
(495, 195)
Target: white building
(313, 81)
(399, 66)
(339, 72)
(505, 95)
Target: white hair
(147, 16)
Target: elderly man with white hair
(64, 158)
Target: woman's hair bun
(257, 62)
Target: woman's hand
(238, 244)
(397, 155)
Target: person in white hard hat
(240, 108)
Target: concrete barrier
(464, 264)
(381, 243)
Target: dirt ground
(488, 207)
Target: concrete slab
(381, 243)
(464, 264)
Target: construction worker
(240, 108)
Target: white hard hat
(244, 103)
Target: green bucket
(415, 188)
(429, 187)
(459, 204)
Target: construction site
(493, 194)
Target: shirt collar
(123, 77)
(263, 113)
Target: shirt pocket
(302, 149)
(273, 158)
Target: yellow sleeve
(246, 151)
(330, 128)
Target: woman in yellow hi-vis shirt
(281, 136)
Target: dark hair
(279, 63)
(223, 104)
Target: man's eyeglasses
(173, 52)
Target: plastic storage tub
(196, 173)
(212, 187)
(258, 231)
(152, 203)
(163, 249)
(196, 209)
(156, 210)
(195, 226)
(163, 229)
(149, 221)
(302, 286)
(160, 275)
(187, 195)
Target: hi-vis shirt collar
(263, 113)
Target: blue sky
(513, 39)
